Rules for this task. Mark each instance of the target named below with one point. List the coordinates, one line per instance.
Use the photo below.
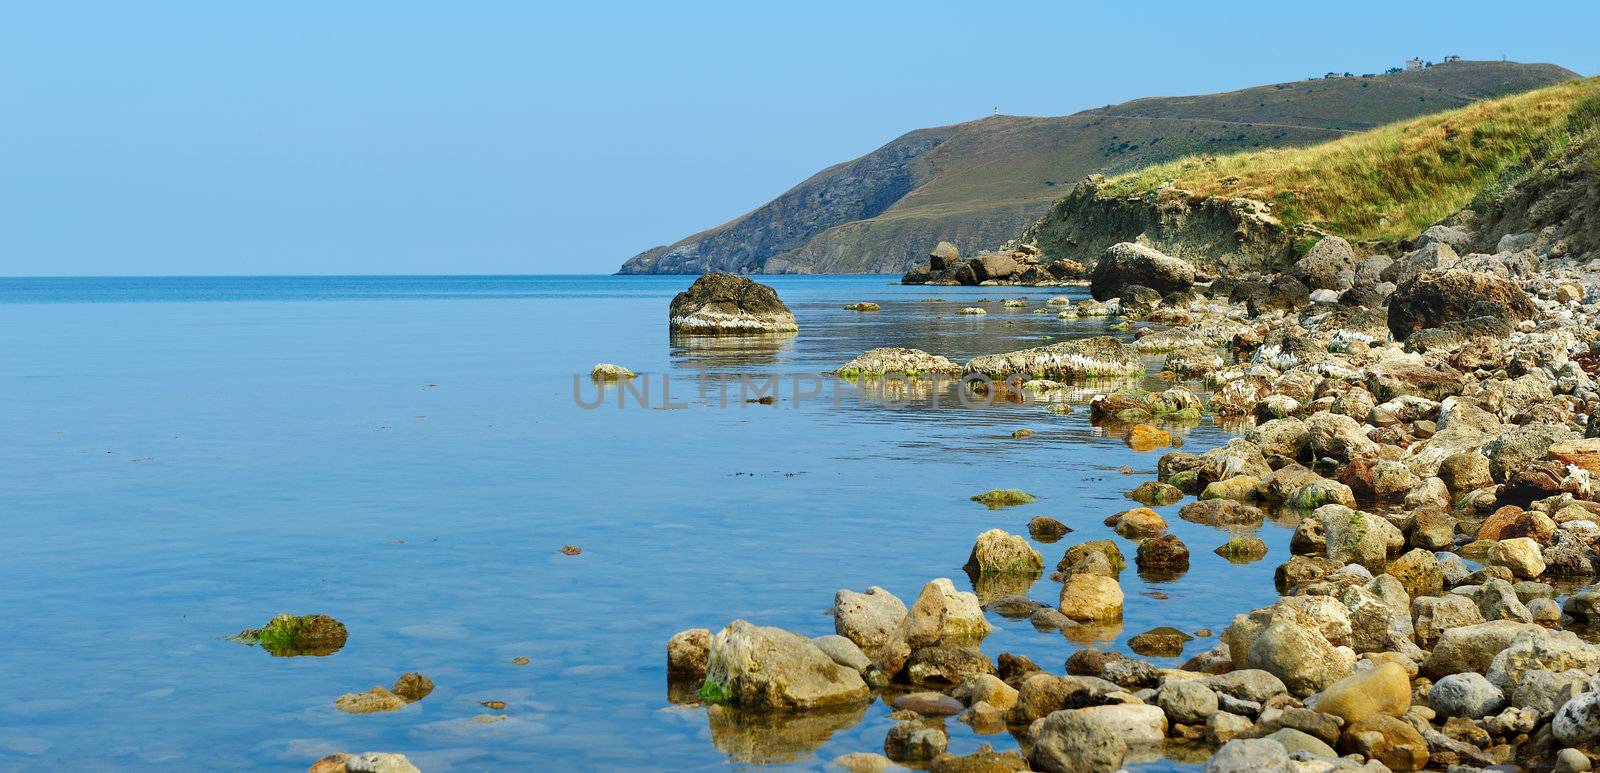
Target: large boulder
(725, 304)
(1381, 689)
(1091, 597)
(1127, 263)
(1330, 265)
(1354, 537)
(999, 552)
(943, 615)
(1472, 647)
(943, 256)
(896, 361)
(1074, 741)
(1251, 755)
(1434, 298)
(760, 667)
(868, 619)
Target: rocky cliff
(980, 183)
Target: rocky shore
(1425, 422)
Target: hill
(1256, 210)
(979, 183)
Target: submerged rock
(1097, 357)
(606, 371)
(365, 762)
(897, 361)
(291, 635)
(1003, 497)
(373, 701)
(997, 551)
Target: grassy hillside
(980, 183)
(1394, 181)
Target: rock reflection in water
(766, 738)
(1101, 634)
(730, 351)
(990, 586)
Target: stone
(1583, 454)
(1418, 572)
(1466, 694)
(914, 741)
(770, 668)
(1521, 555)
(1324, 727)
(863, 762)
(1111, 556)
(929, 704)
(1223, 727)
(605, 371)
(365, 762)
(1046, 529)
(1536, 649)
(1222, 512)
(1298, 655)
(999, 552)
(1330, 264)
(896, 361)
(1381, 689)
(687, 653)
(1154, 494)
(725, 304)
(1472, 647)
(1296, 741)
(373, 701)
(1250, 755)
(1241, 550)
(412, 686)
(1162, 642)
(987, 688)
(1186, 702)
(1127, 263)
(941, 614)
(946, 664)
(1577, 722)
(1434, 298)
(1073, 360)
(868, 619)
(985, 760)
(1433, 615)
(1571, 760)
(1163, 554)
(1091, 597)
(1356, 537)
(843, 651)
(1248, 684)
(1143, 437)
(1137, 523)
(1073, 741)
(995, 499)
(944, 256)
(294, 635)
(1389, 740)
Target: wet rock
(1239, 487)
(1046, 529)
(1163, 554)
(863, 762)
(1299, 570)
(997, 551)
(863, 306)
(1280, 437)
(1381, 689)
(770, 668)
(1465, 471)
(373, 701)
(1075, 741)
(914, 741)
(1221, 512)
(1143, 437)
(1162, 642)
(365, 762)
(1431, 530)
(1003, 497)
(293, 635)
(928, 704)
(1519, 447)
(1111, 555)
(1137, 523)
(987, 688)
(1243, 549)
(1336, 436)
(896, 361)
(687, 653)
(412, 686)
(1097, 357)
(725, 304)
(1091, 597)
(1223, 727)
(1466, 694)
(868, 619)
(1296, 741)
(946, 664)
(1357, 537)
(1238, 457)
(1155, 493)
(1325, 727)
(606, 371)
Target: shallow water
(183, 458)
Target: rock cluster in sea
(1429, 425)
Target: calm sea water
(185, 457)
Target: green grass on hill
(1394, 181)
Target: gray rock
(1187, 702)
(842, 651)
(725, 304)
(1571, 760)
(1295, 741)
(1467, 695)
(770, 668)
(1577, 723)
(1249, 684)
(1330, 265)
(1135, 264)
(868, 619)
(1072, 741)
(1547, 691)
(1250, 755)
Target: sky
(184, 138)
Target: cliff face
(978, 184)
(1233, 236)
(1559, 200)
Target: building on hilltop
(1452, 58)
(1412, 65)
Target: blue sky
(556, 137)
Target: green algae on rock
(291, 635)
(1004, 497)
